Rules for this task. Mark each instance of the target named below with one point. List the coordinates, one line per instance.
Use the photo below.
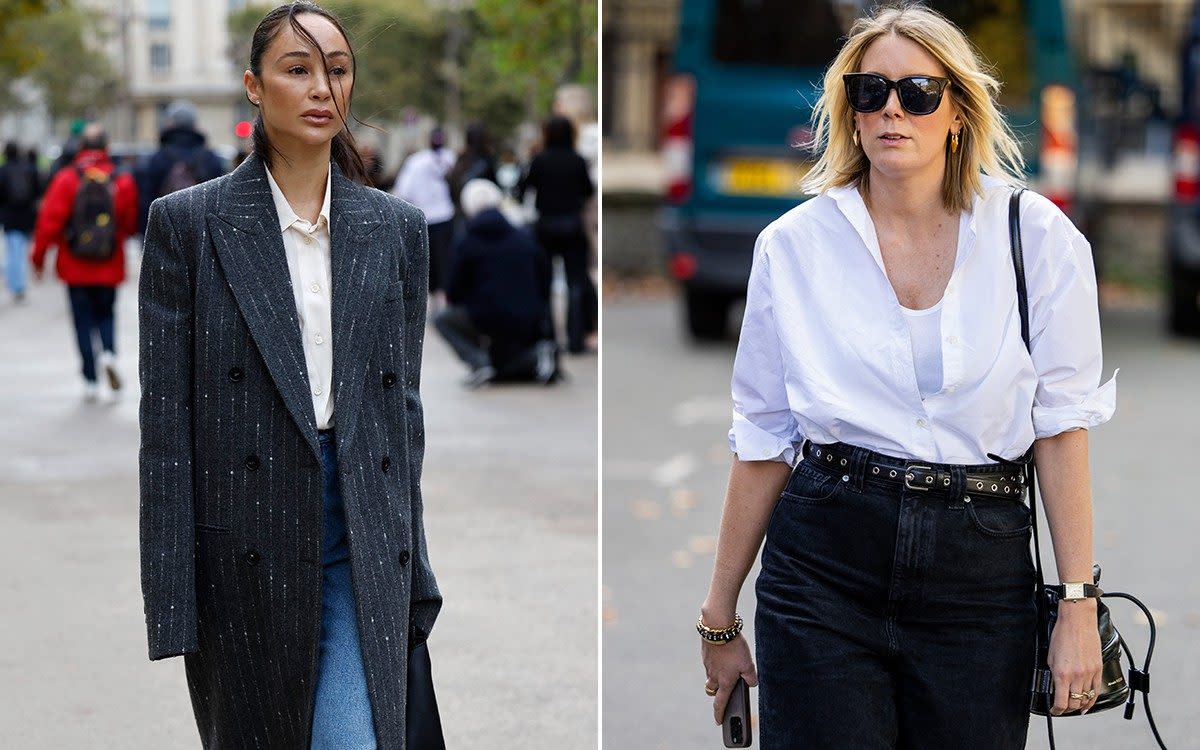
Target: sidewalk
(510, 499)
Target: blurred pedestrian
(498, 321)
(183, 158)
(882, 351)
(423, 182)
(373, 166)
(477, 161)
(277, 302)
(70, 147)
(18, 214)
(560, 177)
(88, 212)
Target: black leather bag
(423, 724)
(1115, 687)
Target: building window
(158, 14)
(160, 58)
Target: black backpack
(91, 232)
(18, 183)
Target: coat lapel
(360, 275)
(245, 232)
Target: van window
(776, 32)
(784, 33)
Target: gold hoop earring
(855, 137)
(954, 143)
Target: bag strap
(1139, 679)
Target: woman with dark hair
(560, 176)
(286, 559)
(476, 162)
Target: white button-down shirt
(825, 352)
(307, 248)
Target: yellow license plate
(769, 177)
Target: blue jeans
(893, 618)
(342, 717)
(14, 267)
(92, 311)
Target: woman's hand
(1075, 662)
(724, 663)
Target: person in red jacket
(92, 278)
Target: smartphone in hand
(736, 725)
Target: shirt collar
(287, 216)
(850, 202)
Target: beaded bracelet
(719, 636)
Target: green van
(746, 73)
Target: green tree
(17, 55)
(538, 45)
(66, 61)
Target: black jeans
(559, 236)
(893, 618)
(92, 312)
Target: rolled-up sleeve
(1065, 338)
(764, 428)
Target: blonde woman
(881, 349)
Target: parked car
(1183, 245)
(746, 75)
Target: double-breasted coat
(230, 465)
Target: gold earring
(855, 137)
(954, 143)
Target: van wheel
(707, 314)
(1184, 317)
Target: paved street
(666, 412)
(510, 498)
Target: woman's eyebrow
(306, 54)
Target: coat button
(251, 557)
(386, 464)
(252, 462)
(235, 374)
(404, 557)
(389, 379)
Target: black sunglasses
(919, 95)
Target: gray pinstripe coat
(231, 482)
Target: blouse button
(235, 374)
(317, 391)
(251, 557)
(920, 423)
(318, 339)
(316, 287)
(952, 339)
(389, 379)
(404, 557)
(252, 462)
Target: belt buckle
(909, 477)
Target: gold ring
(1085, 696)
(710, 691)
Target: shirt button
(952, 339)
(317, 391)
(920, 423)
(307, 239)
(317, 338)
(316, 287)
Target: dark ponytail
(343, 150)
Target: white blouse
(307, 247)
(825, 352)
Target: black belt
(990, 480)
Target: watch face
(1073, 591)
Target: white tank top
(925, 333)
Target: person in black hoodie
(19, 192)
(183, 158)
(498, 318)
(560, 177)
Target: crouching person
(498, 288)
